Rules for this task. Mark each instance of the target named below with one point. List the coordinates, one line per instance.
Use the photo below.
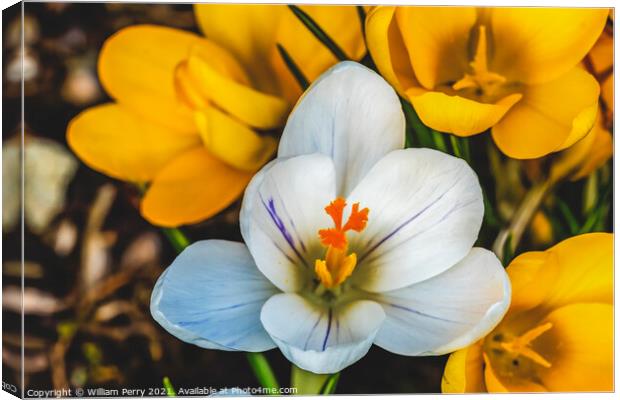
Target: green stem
(177, 238)
(306, 382)
(330, 385)
(522, 217)
(261, 368)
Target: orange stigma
(337, 265)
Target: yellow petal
(585, 156)
(136, 67)
(192, 187)
(255, 108)
(458, 115)
(550, 117)
(607, 94)
(491, 380)
(437, 40)
(530, 275)
(580, 348)
(115, 141)
(578, 269)
(535, 44)
(341, 23)
(541, 228)
(464, 371)
(251, 40)
(600, 151)
(386, 45)
(232, 141)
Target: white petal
(282, 212)
(350, 114)
(319, 339)
(212, 295)
(425, 213)
(447, 312)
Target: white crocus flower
(351, 241)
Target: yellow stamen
(338, 264)
(521, 345)
(320, 267)
(481, 77)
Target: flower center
(480, 78)
(514, 357)
(338, 264)
(521, 346)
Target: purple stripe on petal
(271, 209)
(329, 328)
(312, 331)
(413, 218)
(203, 320)
(411, 310)
(398, 228)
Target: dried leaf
(96, 256)
(48, 169)
(31, 269)
(35, 301)
(33, 363)
(144, 250)
(64, 238)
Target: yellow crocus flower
(251, 32)
(585, 156)
(187, 110)
(558, 333)
(514, 70)
(600, 62)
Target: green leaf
(415, 125)
(319, 33)
(571, 220)
(261, 368)
(456, 148)
(595, 219)
(362, 15)
(508, 251)
(489, 212)
(439, 141)
(169, 388)
(590, 194)
(292, 66)
(460, 147)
